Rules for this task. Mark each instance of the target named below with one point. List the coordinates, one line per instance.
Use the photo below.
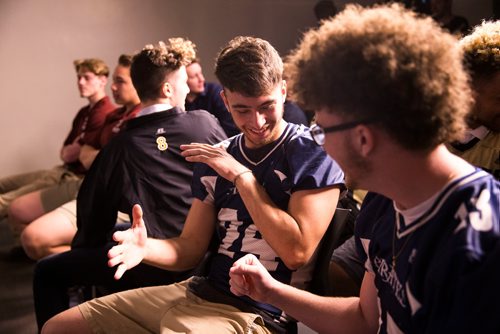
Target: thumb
(137, 216)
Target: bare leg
(24, 209)
(69, 321)
(50, 234)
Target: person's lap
(166, 309)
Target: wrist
(239, 175)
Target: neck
(96, 98)
(417, 175)
(130, 106)
(191, 96)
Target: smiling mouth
(258, 132)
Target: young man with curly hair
(389, 89)
(481, 144)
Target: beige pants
(11, 187)
(166, 309)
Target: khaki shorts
(68, 210)
(166, 309)
(66, 190)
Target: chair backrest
(320, 283)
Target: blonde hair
(482, 49)
(94, 65)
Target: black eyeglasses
(318, 133)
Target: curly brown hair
(250, 66)
(482, 49)
(94, 65)
(386, 63)
(151, 66)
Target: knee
(32, 244)
(17, 212)
(69, 321)
(50, 326)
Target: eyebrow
(270, 101)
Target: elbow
(296, 260)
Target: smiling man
(269, 191)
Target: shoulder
(202, 120)
(298, 139)
(104, 105)
(213, 87)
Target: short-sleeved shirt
(293, 162)
(87, 127)
(438, 272)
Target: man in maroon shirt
(30, 194)
(53, 231)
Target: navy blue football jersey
(294, 162)
(438, 271)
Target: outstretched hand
(216, 157)
(249, 277)
(131, 248)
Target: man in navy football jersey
(389, 89)
(269, 191)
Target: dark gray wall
(39, 39)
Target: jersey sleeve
(310, 166)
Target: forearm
(176, 254)
(322, 314)
(87, 155)
(277, 226)
(70, 153)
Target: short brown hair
(151, 66)
(125, 60)
(482, 49)
(94, 65)
(249, 66)
(387, 63)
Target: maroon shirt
(87, 127)
(114, 123)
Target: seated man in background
(269, 191)
(394, 90)
(25, 197)
(142, 164)
(52, 233)
(206, 96)
(481, 145)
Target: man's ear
(364, 140)
(283, 89)
(104, 80)
(166, 90)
